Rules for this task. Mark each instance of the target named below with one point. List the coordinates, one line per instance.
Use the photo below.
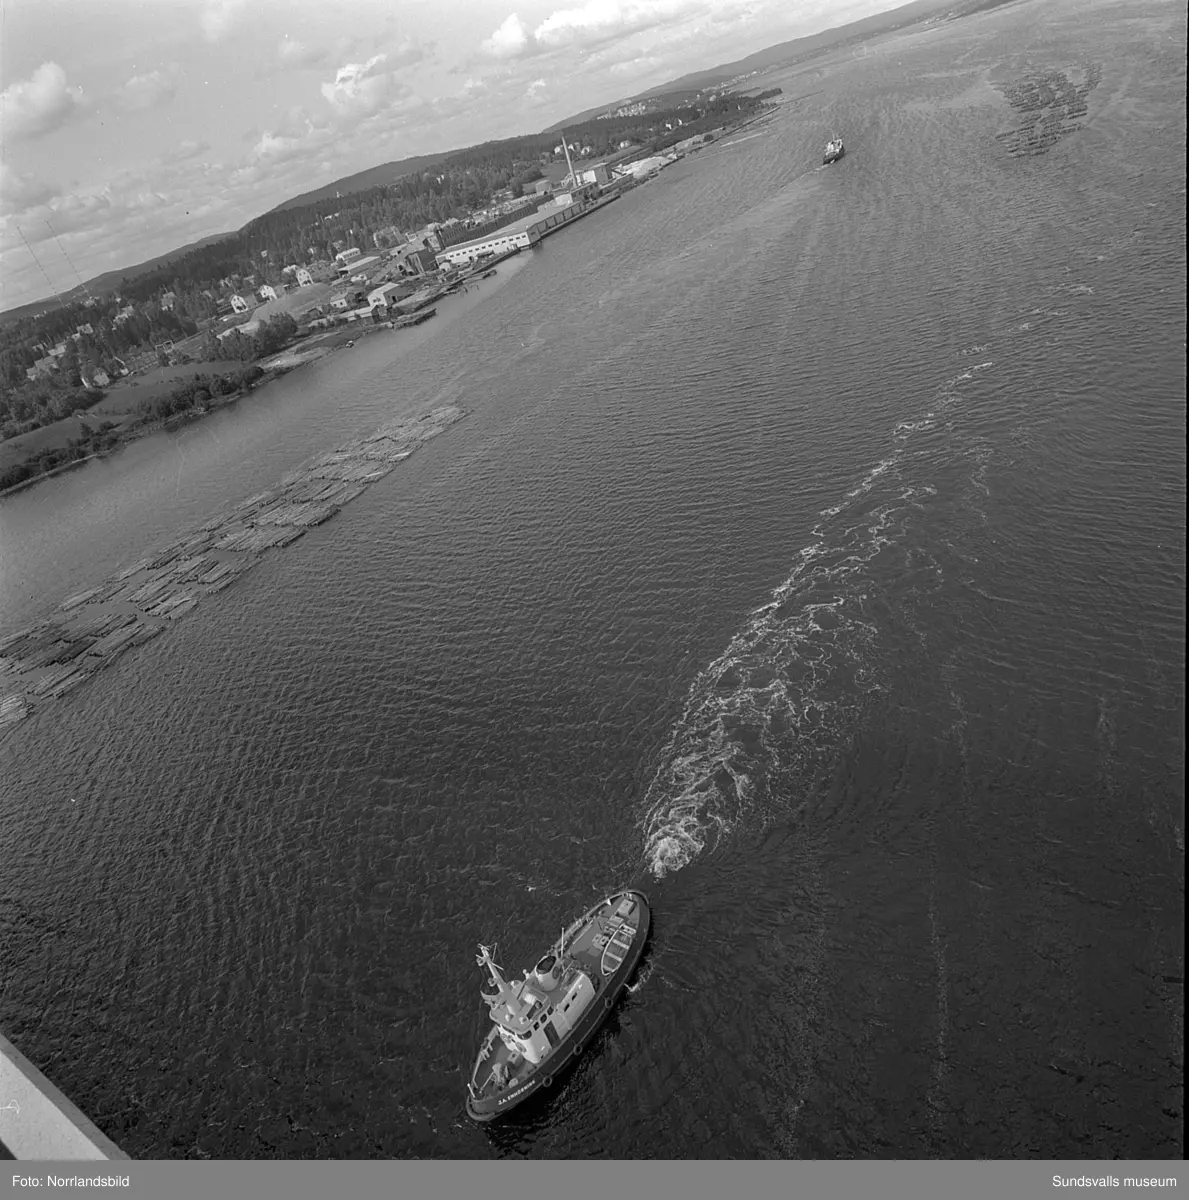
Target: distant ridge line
(782, 54)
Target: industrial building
(356, 266)
(521, 234)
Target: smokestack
(566, 147)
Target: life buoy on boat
(548, 1081)
(607, 1002)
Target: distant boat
(834, 151)
(543, 1022)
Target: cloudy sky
(131, 127)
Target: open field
(123, 398)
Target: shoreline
(343, 336)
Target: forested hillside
(169, 301)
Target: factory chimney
(566, 147)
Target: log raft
(96, 626)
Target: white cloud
(218, 16)
(360, 90)
(295, 135)
(600, 23)
(603, 19)
(39, 104)
(147, 91)
(534, 89)
(510, 40)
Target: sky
(129, 128)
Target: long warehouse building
(526, 232)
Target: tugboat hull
(827, 159)
(489, 1104)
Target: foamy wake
(767, 713)
(762, 721)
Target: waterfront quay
(528, 231)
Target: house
(304, 278)
(125, 314)
(42, 368)
(354, 266)
(87, 328)
(267, 292)
(598, 173)
(168, 301)
(383, 296)
(414, 260)
(346, 256)
(583, 191)
(340, 302)
(247, 329)
(95, 379)
(389, 235)
(239, 304)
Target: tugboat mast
(505, 994)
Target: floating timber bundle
(94, 627)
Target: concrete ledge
(38, 1122)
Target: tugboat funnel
(546, 973)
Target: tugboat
(542, 1023)
(834, 151)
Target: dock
(95, 627)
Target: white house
(267, 292)
(382, 295)
(304, 278)
(239, 304)
(595, 173)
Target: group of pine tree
(456, 185)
